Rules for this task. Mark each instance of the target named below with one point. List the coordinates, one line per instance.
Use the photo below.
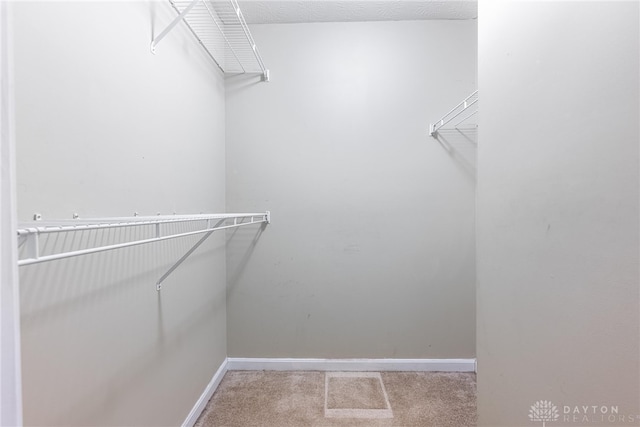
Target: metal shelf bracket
(170, 27)
(185, 256)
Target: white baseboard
(206, 395)
(353, 365)
(345, 365)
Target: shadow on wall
(462, 145)
(51, 288)
(168, 346)
(97, 323)
(239, 82)
(161, 14)
(240, 246)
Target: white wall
(10, 384)
(371, 249)
(558, 250)
(105, 128)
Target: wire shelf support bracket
(221, 30)
(455, 112)
(205, 224)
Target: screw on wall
(37, 217)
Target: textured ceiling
(298, 11)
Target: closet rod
(30, 236)
(455, 112)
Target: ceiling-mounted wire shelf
(222, 31)
(455, 112)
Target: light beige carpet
(319, 399)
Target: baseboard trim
(206, 395)
(345, 365)
(353, 365)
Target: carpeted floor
(342, 399)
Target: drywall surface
(558, 306)
(371, 249)
(105, 128)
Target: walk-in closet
(396, 213)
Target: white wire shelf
(222, 31)
(455, 112)
(81, 236)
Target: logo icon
(545, 411)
